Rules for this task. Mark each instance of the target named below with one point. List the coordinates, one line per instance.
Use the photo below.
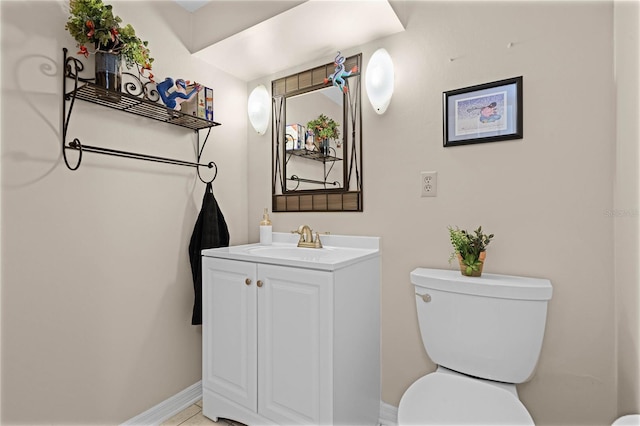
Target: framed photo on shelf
(484, 113)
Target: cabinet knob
(247, 281)
(259, 283)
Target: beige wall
(96, 291)
(545, 197)
(96, 283)
(625, 213)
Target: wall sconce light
(379, 80)
(258, 107)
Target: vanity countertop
(338, 251)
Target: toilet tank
(489, 327)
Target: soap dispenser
(266, 236)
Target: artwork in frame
(484, 113)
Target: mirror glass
(312, 172)
(326, 170)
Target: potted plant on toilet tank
(470, 249)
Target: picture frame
(483, 113)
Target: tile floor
(192, 416)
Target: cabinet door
(229, 330)
(295, 345)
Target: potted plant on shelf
(98, 31)
(323, 129)
(470, 249)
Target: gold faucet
(306, 237)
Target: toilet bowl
(485, 334)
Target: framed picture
(484, 113)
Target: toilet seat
(441, 398)
(629, 419)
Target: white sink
(337, 252)
(287, 252)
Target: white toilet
(485, 335)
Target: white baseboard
(388, 414)
(168, 408)
(178, 402)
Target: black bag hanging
(210, 231)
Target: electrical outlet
(429, 184)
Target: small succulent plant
(468, 245)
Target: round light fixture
(379, 80)
(258, 107)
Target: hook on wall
(211, 165)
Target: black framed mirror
(312, 172)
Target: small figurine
(339, 74)
(174, 99)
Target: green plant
(91, 22)
(324, 127)
(468, 246)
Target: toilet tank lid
(489, 285)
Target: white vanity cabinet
(291, 345)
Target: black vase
(108, 74)
(324, 148)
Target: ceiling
(252, 39)
(192, 5)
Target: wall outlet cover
(429, 184)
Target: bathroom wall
(625, 214)
(545, 197)
(97, 291)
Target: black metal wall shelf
(312, 155)
(129, 103)
(140, 98)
